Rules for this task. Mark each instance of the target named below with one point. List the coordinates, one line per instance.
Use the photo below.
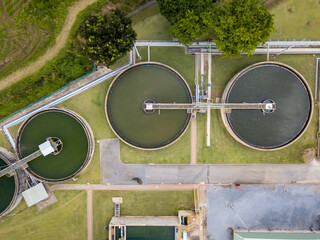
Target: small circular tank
(76, 149)
(147, 83)
(268, 82)
(10, 187)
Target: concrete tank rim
(88, 132)
(116, 78)
(233, 80)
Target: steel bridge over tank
(266, 106)
(46, 148)
(22, 163)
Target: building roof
(46, 148)
(276, 236)
(35, 194)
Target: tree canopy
(106, 38)
(236, 26)
(188, 19)
(241, 26)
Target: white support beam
(208, 99)
(202, 63)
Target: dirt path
(89, 215)
(51, 52)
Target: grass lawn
(153, 27)
(4, 142)
(296, 19)
(66, 219)
(161, 203)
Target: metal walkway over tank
(22, 163)
(269, 106)
(48, 147)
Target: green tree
(106, 38)
(189, 19)
(241, 26)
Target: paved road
(113, 171)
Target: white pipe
(208, 100)
(202, 63)
(316, 88)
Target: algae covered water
(59, 124)
(7, 188)
(124, 106)
(148, 233)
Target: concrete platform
(145, 221)
(261, 207)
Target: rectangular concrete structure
(145, 221)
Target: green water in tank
(131, 89)
(148, 233)
(68, 130)
(293, 106)
(7, 188)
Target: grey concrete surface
(113, 171)
(146, 221)
(261, 207)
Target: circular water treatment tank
(75, 135)
(147, 83)
(10, 187)
(268, 82)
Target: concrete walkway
(113, 171)
(102, 187)
(89, 215)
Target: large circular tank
(271, 81)
(139, 84)
(76, 137)
(10, 187)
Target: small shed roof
(35, 194)
(46, 148)
(276, 236)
